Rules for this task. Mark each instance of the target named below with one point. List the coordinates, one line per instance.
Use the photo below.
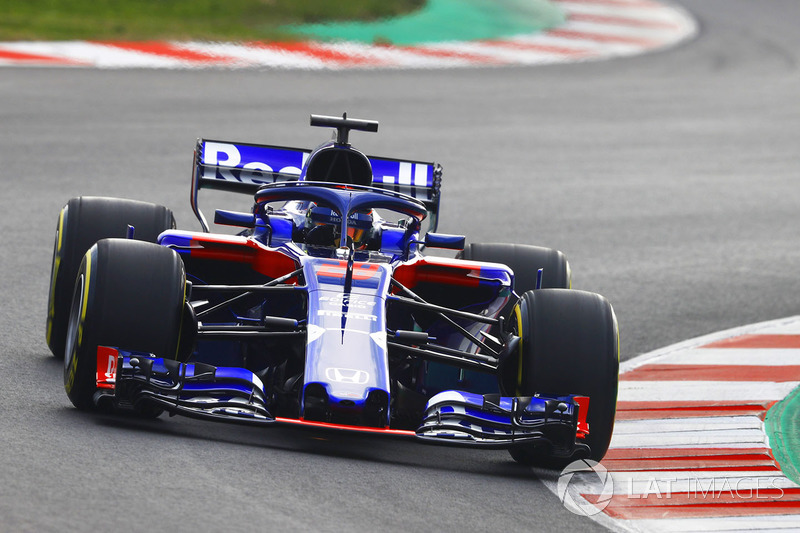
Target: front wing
(231, 394)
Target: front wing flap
(494, 421)
(226, 394)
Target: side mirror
(445, 241)
(233, 218)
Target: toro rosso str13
(324, 311)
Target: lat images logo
(585, 476)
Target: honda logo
(347, 375)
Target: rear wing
(244, 168)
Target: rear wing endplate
(244, 168)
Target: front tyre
(569, 345)
(129, 295)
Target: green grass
(229, 20)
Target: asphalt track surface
(670, 180)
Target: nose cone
(347, 371)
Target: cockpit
(310, 216)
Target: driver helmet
(324, 220)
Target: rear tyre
(129, 295)
(569, 345)
(525, 261)
(81, 223)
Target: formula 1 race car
(322, 310)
